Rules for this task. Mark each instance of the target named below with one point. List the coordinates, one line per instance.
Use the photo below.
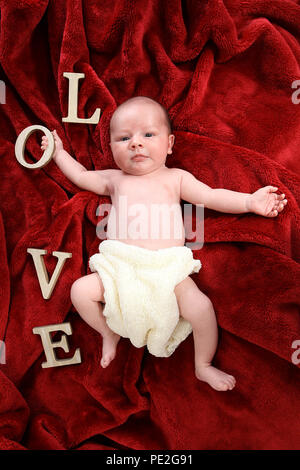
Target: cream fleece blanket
(140, 303)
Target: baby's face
(140, 140)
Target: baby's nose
(136, 142)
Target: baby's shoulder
(109, 172)
(110, 175)
(179, 173)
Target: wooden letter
(49, 345)
(21, 142)
(73, 101)
(46, 286)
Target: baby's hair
(146, 98)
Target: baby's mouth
(139, 157)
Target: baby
(141, 140)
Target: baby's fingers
(44, 143)
(270, 189)
(271, 206)
(283, 201)
(281, 205)
(57, 139)
(280, 197)
(273, 213)
(277, 208)
(280, 200)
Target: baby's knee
(204, 303)
(77, 290)
(199, 305)
(88, 287)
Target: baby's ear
(171, 143)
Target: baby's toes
(231, 383)
(227, 385)
(223, 386)
(104, 361)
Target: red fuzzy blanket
(225, 71)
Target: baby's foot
(109, 347)
(215, 378)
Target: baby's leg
(196, 307)
(86, 295)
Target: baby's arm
(96, 181)
(263, 201)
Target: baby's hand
(265, 202)
(57, 141)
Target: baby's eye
(148, 134)
(124, 138)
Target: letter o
(21, 142)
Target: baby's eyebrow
(128, 131)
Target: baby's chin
(141, 168)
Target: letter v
(46, 286)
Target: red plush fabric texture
(224, 70)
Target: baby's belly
(152, 227)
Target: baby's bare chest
(139, 190)
(147, 212)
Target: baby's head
(140, 136)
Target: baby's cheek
(117, 157)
